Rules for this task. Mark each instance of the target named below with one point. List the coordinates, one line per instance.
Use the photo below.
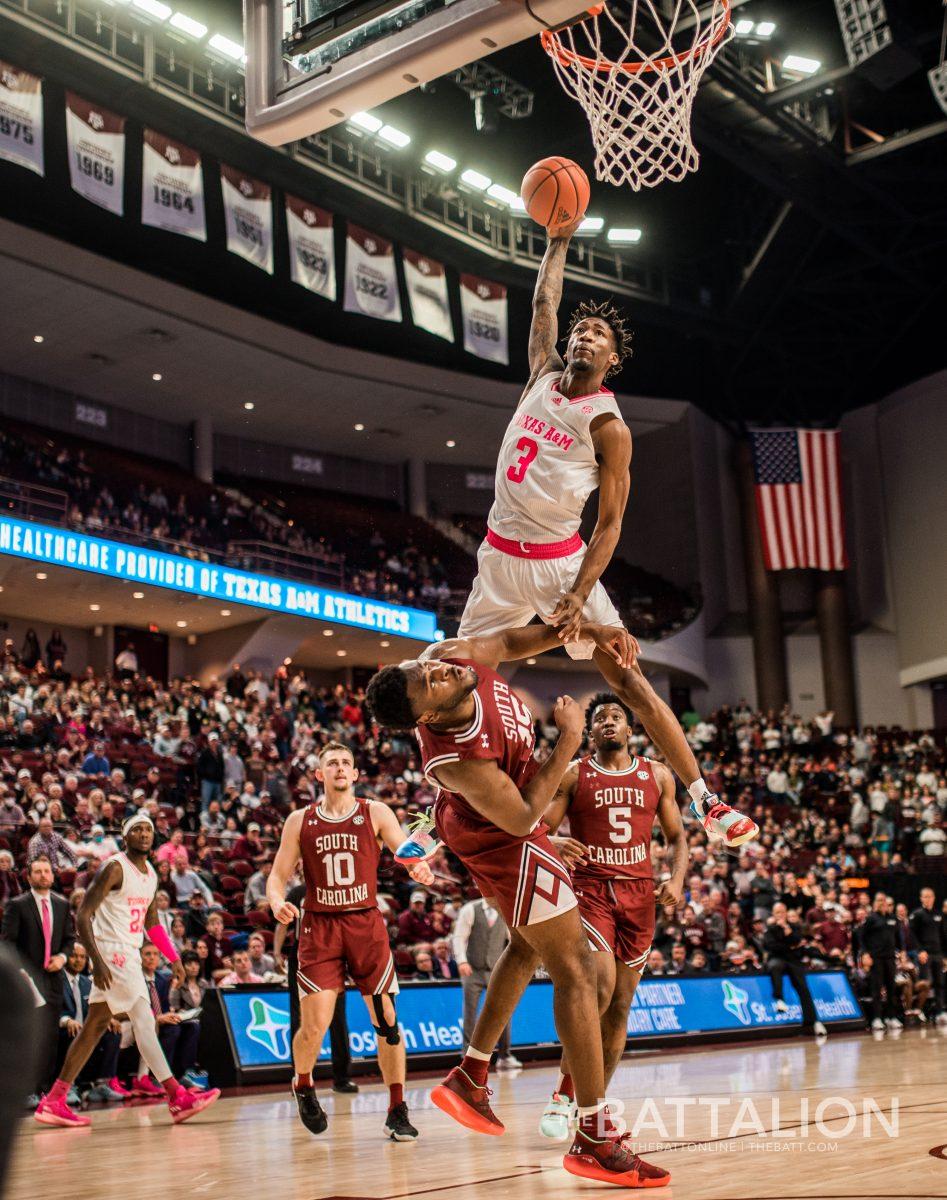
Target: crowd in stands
(218, 767)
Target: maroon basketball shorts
(524, 875)
(333, 945)
(618, 916)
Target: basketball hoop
(640, 99)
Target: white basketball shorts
(509, 591)
(128, 979)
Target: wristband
(158, 936)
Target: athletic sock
(302, 1080)
(595, 1122)
(395, 1095)
(59, 1090)
(171, 1086)
(475, 1067)
(566, 1087)
(699, 792)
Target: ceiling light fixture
(41, 575)
(743, 27)
(592, 225)
(800, 64)
(765, 29)
(249, 405)
(153, 8)
(341, 653)
(94, 607)
(328, 633)
(359, 427)
(156, 376)
(38, 339)
(394, 137)
(450, 443)
(226, 47)
(181, 624)
(384, 645)
(629, 237)
(531, 662)
(138, 595)
(364, 120)
(225, 612)
(188, 25)
(475, 179)
(443, 162)
(496, 191)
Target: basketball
(555, 192)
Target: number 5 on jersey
(529, 448)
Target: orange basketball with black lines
(556, 192)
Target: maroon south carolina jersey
(340, 859)
(502, 730)
(612, 813)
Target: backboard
(313, 63)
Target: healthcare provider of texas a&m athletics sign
(79, 551)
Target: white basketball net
(639, 95)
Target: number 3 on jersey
(529, 448)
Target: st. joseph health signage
(133, 564)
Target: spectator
(250, 847)
(210, 771)
(95, 762)
(876, 936)
(242, 972)
(655, 964)
(126, 662)
(254, 895)
(12, 816)
(40, 926)
(930, 934)
(480, 937)
(424, 966)
(52, 846)
(784, 943)
(414, 924)
(10, 886)
(173, 849)
(178, 1038)
(443, 962)
(56, 649)
(933, 840)
(30, 653)
(219, 948)
(260, 962)
(186, 881)
(102, 1067)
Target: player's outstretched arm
(287, 856)
(613, 451)
(107, 879)
(544, 330)
(514, 644)
(493, 793)
(669, 815)
(386, 826)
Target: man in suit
(178, 1038)
(102, 1067)
(40, 925)
(480, 937)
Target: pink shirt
(234, 980)
(168, 852)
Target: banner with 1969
(96, 141)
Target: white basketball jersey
(546, 469)
(120, 918)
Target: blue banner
(429, 1014)
(134, 564)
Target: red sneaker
(58, 1112)
(144, 1085)
(610, 1161)
(467, 1103)
(119, 1088)
(186, 1105)
(723, 822)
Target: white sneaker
(894, 1023)
(820, 1030)
(557, 1119)
(781, 1006)
(509, 1062)
(877, 1024)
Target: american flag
(799, 498)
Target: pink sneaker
(58, 1112)
(119, 1088)
(186, 1105)
(144, 1085)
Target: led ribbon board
(134, 564)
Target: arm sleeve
(461, 934)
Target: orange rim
(553, 46)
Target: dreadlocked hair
(387, 699)
(606, 698)
(607, 312)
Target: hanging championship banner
(483, 306)
(96, 141)
(427, 294)
(249, 217)
(172, 187)
(311, 248)
(21, 118)
(371, 285)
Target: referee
(339, 1029)
(927, 925)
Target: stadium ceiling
(800, 272)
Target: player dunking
(342, 930)
(118, 911)
(566, 439)
(477, 741)
(611, 799)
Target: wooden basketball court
(253, 1145)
